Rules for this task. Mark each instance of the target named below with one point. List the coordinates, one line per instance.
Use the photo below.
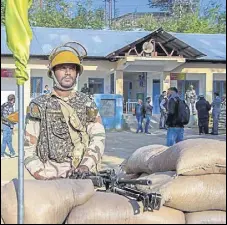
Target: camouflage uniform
(190, 98)
(62, 134)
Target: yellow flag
(19, 35)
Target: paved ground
(119, 146)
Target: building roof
(167, 40)
(212, 45)
(100, 43)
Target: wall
(218, 76)
(42, 73)
(8, 86)
(136, 88)
(95, 74)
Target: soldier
(163, 102)
(85, 89)
(190, 98)
(216, 104)
(64, 131)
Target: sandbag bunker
(190, 176)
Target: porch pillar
(209, 85)
(166, 81)
(119, 82)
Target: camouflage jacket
(7, 109)
(48, 145)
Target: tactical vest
(63, 135)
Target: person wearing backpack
(7, 126)
(178, 116)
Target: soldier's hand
(82, 169)
(37, 176)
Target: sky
(129, 6)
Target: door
(156, 95)
(36, 86)
(183, 86)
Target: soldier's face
(66, 75)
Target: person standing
(203, 107)
(190, 98)
(85, 89)
(175, 132)
(139, 112)
(148, 108)
(46, 90)
(163, 101)
(216, 104)
(7, 126)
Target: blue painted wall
(111, 110)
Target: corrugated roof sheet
(100, 43)
(212, 45)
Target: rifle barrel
(141, 182)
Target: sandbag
(138, 162)
(201, 156)
(196, 193)
(206, 217)
(157, 181)
(168, 160)
(45, 202)
(110, 208)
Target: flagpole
(21, 155)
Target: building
(132, 64)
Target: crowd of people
(173, 109)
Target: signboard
(177, 76)
(6, 73)
(107, 107)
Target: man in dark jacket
(175, 131)
(203, 107)
(148, 114)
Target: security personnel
(64, 131)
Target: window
(96, 85)
(36, 86)
(220, 87)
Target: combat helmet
(69, 53)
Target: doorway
(156, 95)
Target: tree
(60, 13)
(2, 11)
(172, 5)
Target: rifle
(109, 179)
